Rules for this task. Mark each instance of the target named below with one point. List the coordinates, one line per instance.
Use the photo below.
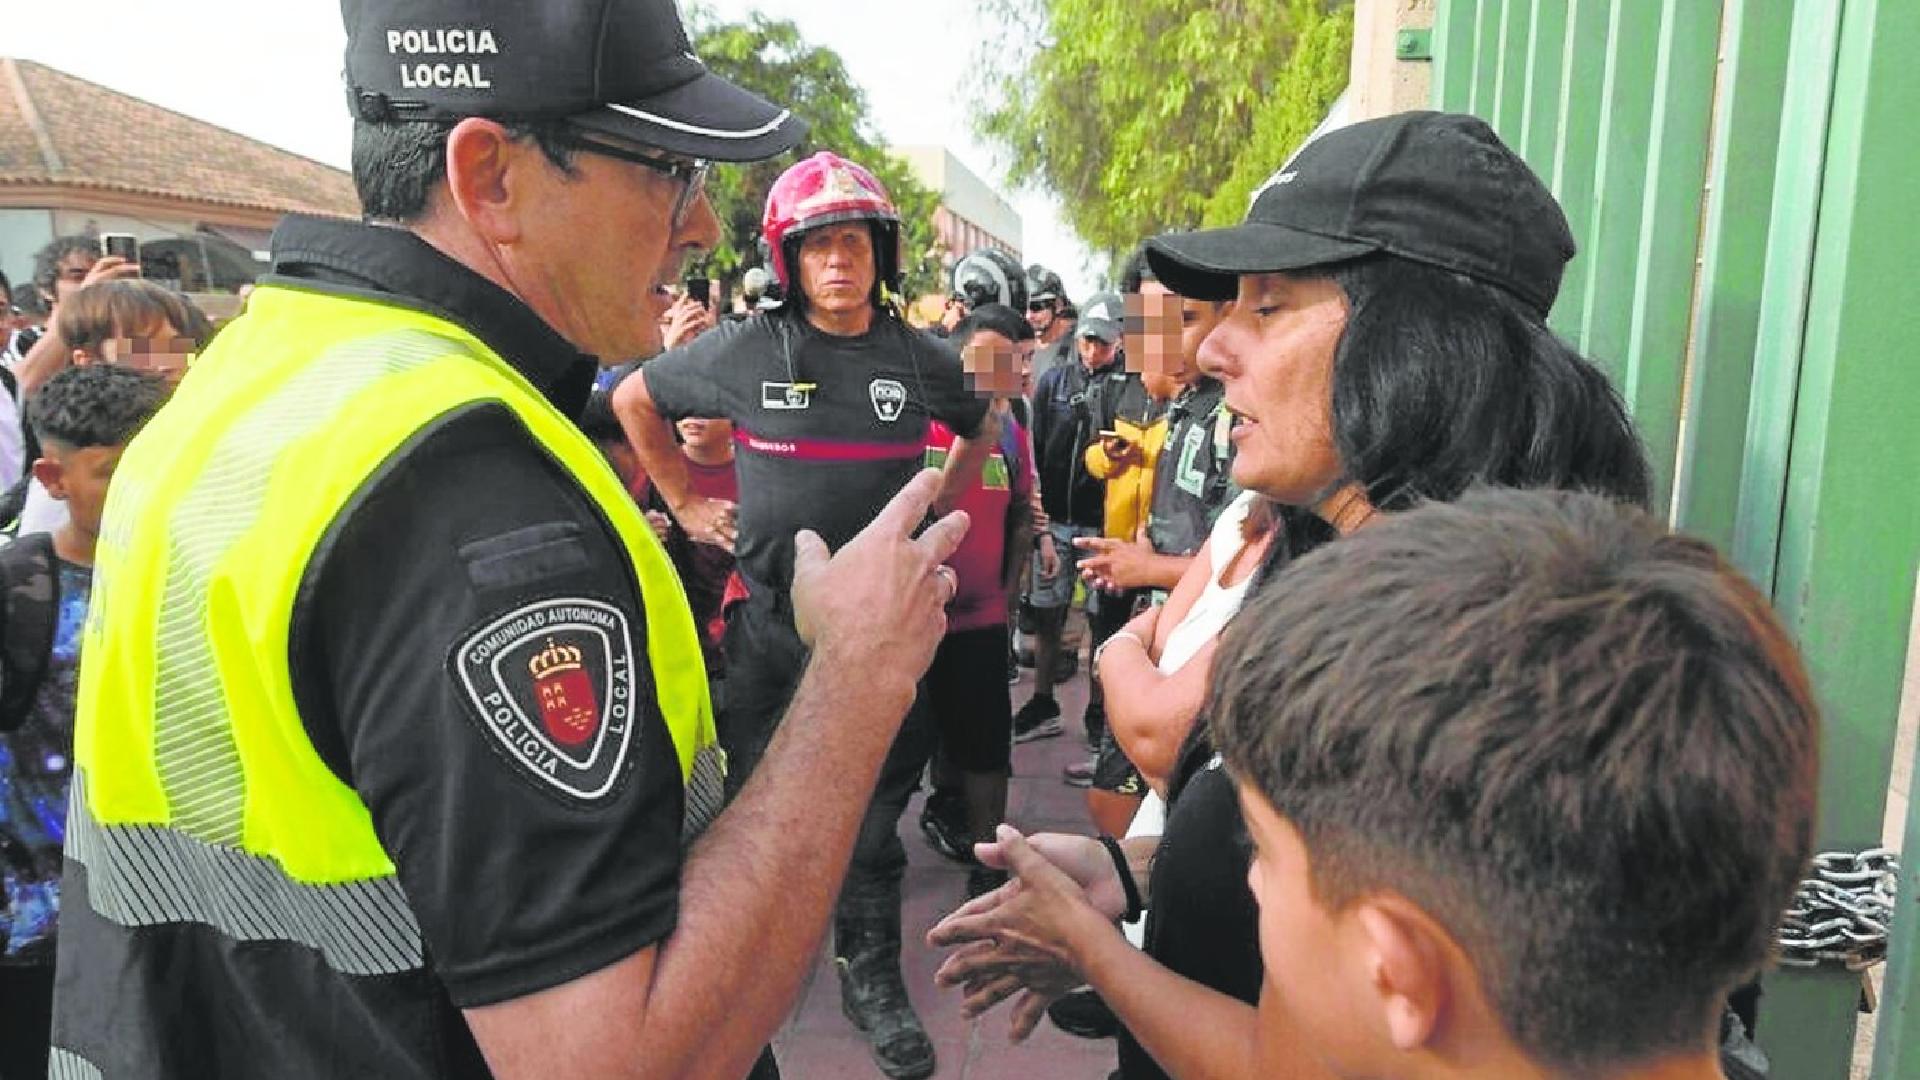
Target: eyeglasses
(691, 172)
(1039, 305)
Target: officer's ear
(488, 180)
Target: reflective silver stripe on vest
(147, 875)
(193, 733)
(706, 791)
(67, 1065)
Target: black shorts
(1114, 772)
(966, 691)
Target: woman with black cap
(1387, 347)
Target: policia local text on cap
(394, 732)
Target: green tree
(771, 58)
(1143, 116)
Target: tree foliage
(771, 58)
(1149, 115)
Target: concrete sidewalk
(818, 1043)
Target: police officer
(830, 399)
(393, 718)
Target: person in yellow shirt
(1125, 458)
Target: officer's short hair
(95, 405)
(396, 165)
(1580, 742)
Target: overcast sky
(270, 69)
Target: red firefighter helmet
(827, 189)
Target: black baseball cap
(1437, 188)
(618, 67)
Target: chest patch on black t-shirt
(889, 399)
(552, 687)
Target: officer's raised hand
(882, 598)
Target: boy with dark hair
(1530, 781)
(85, 416)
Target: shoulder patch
(552, 687)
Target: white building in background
(972, 215)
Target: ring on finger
(951, 580)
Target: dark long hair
(1442, 383)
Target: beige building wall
(1382, 83)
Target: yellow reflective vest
(198, 796)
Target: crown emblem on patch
(553, 660)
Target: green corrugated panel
(1663, 279)
(1510, 70)
(1726, 326)
(1574, 161)
(1486, 52)
(1612, 239)
(1851, 544)
(1540, 110)
(1453, 54)
(1783, 292)
(1849, 536)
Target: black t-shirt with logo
(827, 429)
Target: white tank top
(1209, 614)
(1204, 621)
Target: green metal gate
(1743, 178)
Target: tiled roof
(58, 129)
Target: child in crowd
(127, 322)
(1530, 781)
(965, 688)
(704, 568)
(84, 416)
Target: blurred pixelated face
(1273, 352)
(705, 435)
(158, 348)
(1165, 331)
(1310, 956)
(995, 366)
(70, 273)
(837, 268)
(80, 480)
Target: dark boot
(866, 951)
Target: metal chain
(1842, 911)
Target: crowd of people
(486, 657)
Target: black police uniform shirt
(827, 429)
(518, 886)
(1193, 482)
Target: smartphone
(700, 289)
(123, 245)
